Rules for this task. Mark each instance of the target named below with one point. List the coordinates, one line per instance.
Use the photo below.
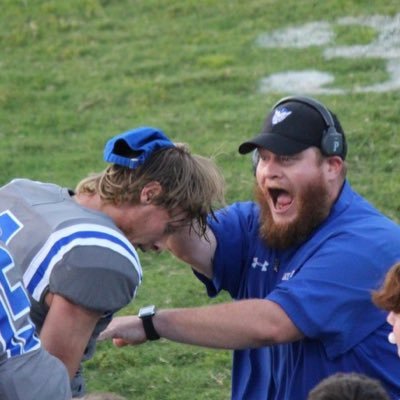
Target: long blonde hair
(191, 183)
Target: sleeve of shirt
(329, 298)
(232, 229)
(96, 278)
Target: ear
(150, 190)
(334, 166)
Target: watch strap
(148, 326)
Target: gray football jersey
(67, 249)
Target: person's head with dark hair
(388, 298)
(348, 386)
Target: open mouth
(281, 198)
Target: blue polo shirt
(324, 286)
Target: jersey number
(17, 333)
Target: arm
(67, 330)
(197, 251)
(242, 324)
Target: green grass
(73, 73)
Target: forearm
(227, 326)
(70, 355)
(198, 327)
(237, 325)
(67, 330)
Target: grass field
(74, 73)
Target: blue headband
(143, 142)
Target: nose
(268, 168)
(159, 246)
(156, 249)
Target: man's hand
(124, 331)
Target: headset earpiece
(332, 143)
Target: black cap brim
(277, 144)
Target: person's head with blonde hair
(147, 168)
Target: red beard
(314, 207)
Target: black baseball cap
(290, 128)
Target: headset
(332, 143)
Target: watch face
(147, 311)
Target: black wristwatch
(146, 315)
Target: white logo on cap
(280, 114)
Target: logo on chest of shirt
(263, 265)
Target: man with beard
(301, 264)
